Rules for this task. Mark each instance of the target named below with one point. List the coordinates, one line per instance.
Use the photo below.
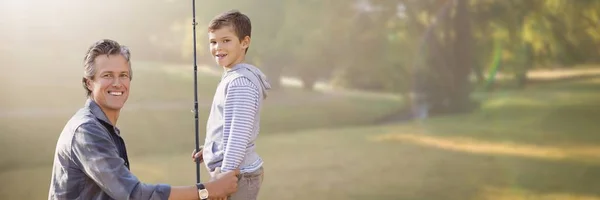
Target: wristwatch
(202, 192)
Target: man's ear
(246, 42)
(88, 84)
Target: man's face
(226, 47)
(110, 86)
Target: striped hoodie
(234, 120)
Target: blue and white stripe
(239, 113)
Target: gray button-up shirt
(88, 163)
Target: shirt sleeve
(241, 106)
(97, 156)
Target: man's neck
(112, 115)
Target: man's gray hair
(102, 47)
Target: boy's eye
(213, 42)
(226, 40)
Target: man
(90, 160)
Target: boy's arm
(241, 107)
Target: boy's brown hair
(239, 22)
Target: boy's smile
(226, 47)
(221, 56)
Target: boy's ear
(246, 42)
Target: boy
(233, 123)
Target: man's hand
(223, 185)
(197, 157)
(214, 174)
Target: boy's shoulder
(241, 74)
(249, 75)
(241, 81)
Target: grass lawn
(551, 114)
(539, 143)
(354, 163)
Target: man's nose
(116, 82)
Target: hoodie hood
(262, 78)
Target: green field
(539, 143)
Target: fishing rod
(194, 24)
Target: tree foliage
(405, 45)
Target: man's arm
(241, 106)
(97, 156)
(219, 188)
(184, 192)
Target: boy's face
(226, 47)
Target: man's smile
(114, 93)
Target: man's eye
(213, 42)
(125, 75)
(107, 75)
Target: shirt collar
(98, 113)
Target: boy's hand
(197, 156)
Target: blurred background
(372, 99)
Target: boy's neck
(240, 60)
(226, 68)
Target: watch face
(204, 194)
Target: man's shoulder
(81, 121)
(76, 127)
(83, 117)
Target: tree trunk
(525, 63)
(459, 98)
